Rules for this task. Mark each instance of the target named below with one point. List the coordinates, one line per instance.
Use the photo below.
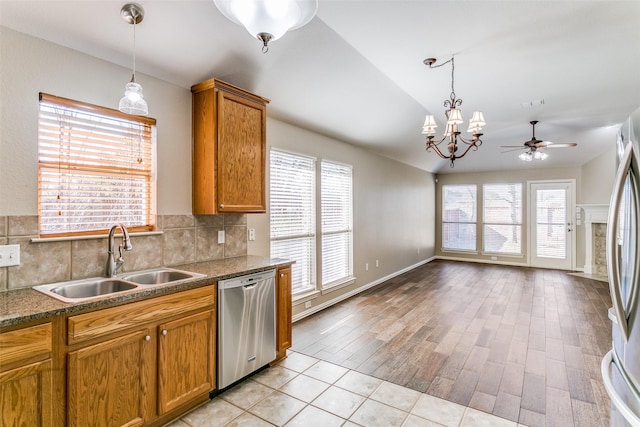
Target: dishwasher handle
(247, 281)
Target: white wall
(31, 65)
(598, 176)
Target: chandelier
(454, 118)
(268, 20)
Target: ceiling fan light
(539, 155)
(454, 117)
(526, 156)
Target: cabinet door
(186, 360)
(26, 396)
(109, 382)
(283, 312)
(241, 154)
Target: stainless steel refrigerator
(621, 366)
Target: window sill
(305, 296)
(460, 251)
(334, 286)
(503, 255)
(95, 236)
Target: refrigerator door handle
(616, 400)
(612, 247)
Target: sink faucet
(114, 264)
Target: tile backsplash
(184, 239)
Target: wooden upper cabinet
(229, 149)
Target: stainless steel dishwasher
(246, 325)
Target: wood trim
(25, 343)
(117, 319)
(219, 84)
(91, 108)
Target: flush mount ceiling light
(534, 148)
(268, 20)
(133, 102)
(454, 118)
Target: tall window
(292, 211)
(459, 217)
(502, 228)
(336, 206)
(96, 166)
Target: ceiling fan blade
(513, 146)
(513, 149)
(543, 144)
(569, 144)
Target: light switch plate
(220, 237)
(9, 255)
(252, 234)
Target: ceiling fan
(535, 148)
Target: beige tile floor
(303, 391)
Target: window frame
(444, 221)
(346, 228)
(81, 169)
(310, 285)
(486, 223)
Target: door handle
(612, 247)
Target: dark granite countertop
(26, 305)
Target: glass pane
(502, 203)
(459, 236)
(336, 259)
(302, 252)
(626, 239)
(503, 239)
(551, 216)
(459, 203)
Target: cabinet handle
(221, 205)
(164, 332)
(281, 274)
(147, 338)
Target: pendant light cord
(133, 76)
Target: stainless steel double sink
(95, 287)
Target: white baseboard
(356, 291)
(483, 261)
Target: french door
(551, 226)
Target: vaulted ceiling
(355, 72)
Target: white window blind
(292, 214)
(337, 218)
(502, 217)
(96, 166)
(459, 217)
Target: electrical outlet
(307, 304)
(9, 255)
(252, 234)
(377, 264)
(220, 237)
(366, 267)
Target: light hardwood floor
(521, 343)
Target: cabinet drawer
(25, 343)
(103, 322)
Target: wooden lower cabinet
(186, 360)
(26, 396)
(26, 377)
(283, 311)
(108, 383)
(142, 363)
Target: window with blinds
(96, 166)
(292, 215)
(502, 218)
(459, 217)
(337, 218)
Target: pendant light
(268, 20)
(133, 101)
